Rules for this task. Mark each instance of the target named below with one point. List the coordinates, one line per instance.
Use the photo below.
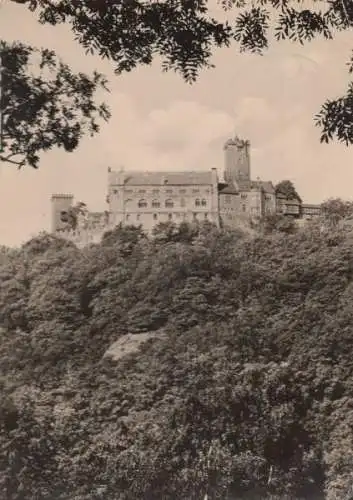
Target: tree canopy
(184, 34)
(241, 388)
(47, 107)
(288, 189)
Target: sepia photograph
(176, 252)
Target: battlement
(64, 196)
(83, 236)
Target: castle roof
(244, 184)
(236, 141)
(166, 178)
(266, 186)
(229, 190)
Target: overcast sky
(159, 122)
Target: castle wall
(270, 203)
(150, 204)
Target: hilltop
(240, 387)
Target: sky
(161, 123)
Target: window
(197, 202)
(155, 204)
(129, 191)
(170, 216)
(206, 216)
(115, 191)
(182, 202)
(203, 202)
(169, 191)
(182, 191)
(244, 196)
(155, 191)
(64, 216)
(195, 191)
(142, 204)
(169, 203)
(244, 208)
(228, 199)
(138, 216)
(194, 215)
(155, 217)
(127, 217)
(142, 190)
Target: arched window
(155, 204)
(142, 204)
(203, 202)
(169, 203)
(64, 216)
(128, 202)
(197, 202)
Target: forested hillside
(245, 393)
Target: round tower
(60, 204)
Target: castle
(148, 198)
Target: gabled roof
(165, 178)
(266, 186)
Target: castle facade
(148, 198)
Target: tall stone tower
(60, 203)
(236, 160)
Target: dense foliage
(45, 107)
(247, 393)
(183, 34)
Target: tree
(287, 188)
(336, 209)
(184, 34)
(72, 216)
(47, 108)
(278, 223)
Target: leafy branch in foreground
(184, 34)
(44, 104)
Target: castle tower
(236, 160)
(60, 203)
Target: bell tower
(236, 160)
